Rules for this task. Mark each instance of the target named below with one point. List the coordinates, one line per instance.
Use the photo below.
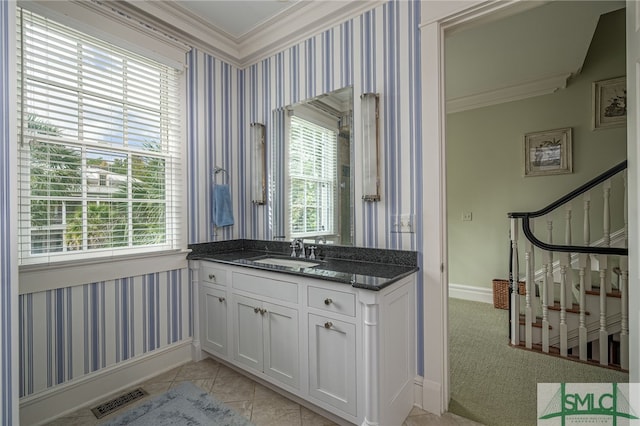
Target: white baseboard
(467, 292)
(432, 397)
(68, 397)
(417, 391)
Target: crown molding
(519, 91)
(186, 26)
(289, 27)
(295, 25)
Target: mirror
(311, 169)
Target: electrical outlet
(467, 216)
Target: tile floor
(257, 403)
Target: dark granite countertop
(371, 269)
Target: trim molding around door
(438, 18)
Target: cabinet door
(214, 320)
(281, 350)
(332, 362)
(248, 346)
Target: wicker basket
(501, 293)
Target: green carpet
(495, 384)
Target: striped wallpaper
(69, 332)
(8, 260)
(377, 51)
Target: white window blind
(312, 179)
(99, 148)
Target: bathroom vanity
(336, 331)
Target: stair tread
(596, 292)
(537, 323)
(574, 309)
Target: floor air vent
(118, 402)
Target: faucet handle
(312, 255)
(293, 247)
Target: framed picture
(548, 152)
(610, 103)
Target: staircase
(575, 303)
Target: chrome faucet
(302, 254)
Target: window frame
(112, 264)
(331, 210)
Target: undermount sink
(292, 263)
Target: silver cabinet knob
(212, 277)
(328, 324)
(221, 299)
(328, 301)
(256, 309)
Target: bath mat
(186, 404)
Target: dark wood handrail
(573, 194)
(526, 216)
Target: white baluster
(535, 300)
(567, 224)
(606, 227)
(603, 334)
(582, 328)
(550, 293)
(587, 218)
(567, 241)
(563, 312)
(624, 313)
(515, 298)
(606, 214)
(625, 210)
(545, 311)
(587, 239)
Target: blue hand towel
(222, 211)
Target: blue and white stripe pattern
(375, 52)
(70, 332)
(378, 51)
(8, 261)
(215, 139)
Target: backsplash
(330, 251)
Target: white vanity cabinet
(213, 310)
(332, 362)
(266, 338)
(332, 347)
(349, 351)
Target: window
(99, 153)
(312, 178)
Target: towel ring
(217, 170)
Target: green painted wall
(484, 151)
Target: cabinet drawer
(281, 290)
(332, 301)
(213, 275)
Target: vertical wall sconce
(258, 163)
(370, 178)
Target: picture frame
(609, 103)
(548, 152)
